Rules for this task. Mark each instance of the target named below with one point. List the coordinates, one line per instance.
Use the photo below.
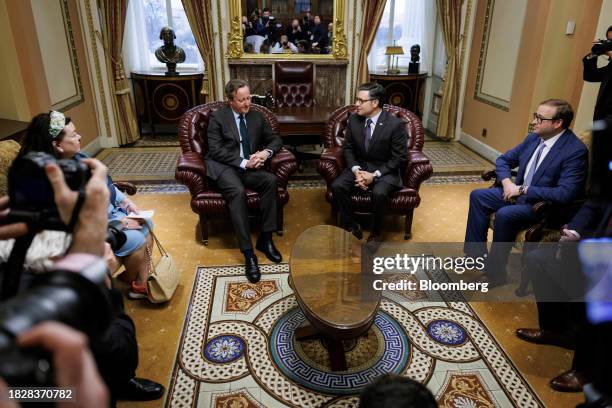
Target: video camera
(600, 47)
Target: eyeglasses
(539, 119)
(359, 101)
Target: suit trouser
(344, 186)
(509, 220)
(232, 184)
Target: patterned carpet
(237, 349)
(152, 168)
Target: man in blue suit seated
(552, 166)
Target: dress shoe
(545, 337)
(251, 269)
(140, 389)
(569, 381)
(266, 245)
(492, 283)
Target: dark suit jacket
(560, 177)
(224, 139)
(387, 151)
(603, 106)
(591, 221)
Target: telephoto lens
(79, 300)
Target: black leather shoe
(140, 389)
(546, 337)
(251, 269)
(569, 381)
(267, 247)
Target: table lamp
(393, 51)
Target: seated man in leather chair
(240, 140)
(374, 150)
(552, 166)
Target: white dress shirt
(548, 144)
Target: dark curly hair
(37, 137)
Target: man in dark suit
(552, 165)
(603, 106)
(559, 287)
(374, 150)
(240, 140)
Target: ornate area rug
(453, 157)
(238, 349)
(140, 163)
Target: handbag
(163, 277)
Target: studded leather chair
(206, 200)
(417, 168)
(294, 84)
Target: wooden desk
(294, 121)
(332, 290)
(13, 129)
(405, 90)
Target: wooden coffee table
(335, 296)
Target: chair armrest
(331, 163)
(126, 187)
(492, 175)
(283, 164)
(191, 171)
(418, 169)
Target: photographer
(591, 73)
(116, 353)
(283, 46)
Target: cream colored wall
(13, 104)
(28, 61)
(588, 93)
(549, 65)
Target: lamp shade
(394, 50)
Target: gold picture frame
(235, 37)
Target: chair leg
(408, 224)
(279, 220)
(204, 229)
(334, 213)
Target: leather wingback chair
(417, 168)
(206, 200)
(294, 84)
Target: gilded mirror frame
(234, 37)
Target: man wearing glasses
(374, 150)
(552, 166)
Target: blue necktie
(534, 166)
(244, 139)
(367, 134)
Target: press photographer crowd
(63, 323)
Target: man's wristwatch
(522, 190)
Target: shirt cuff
(377, 173)
(270, 153)
(355, 168)
(243, 163)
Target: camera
(29, 188)
(79, 300)
(601, 47)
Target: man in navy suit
(374, 150)
(240, 140)
(552, 165)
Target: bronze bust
(169, 53)
(415, 59)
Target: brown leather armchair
(417, 170)
(294, 84)
(206, 200)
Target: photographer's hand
(90, 230)
(73, 362)
(10, 230)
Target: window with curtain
(404, 22)
(148, 17)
